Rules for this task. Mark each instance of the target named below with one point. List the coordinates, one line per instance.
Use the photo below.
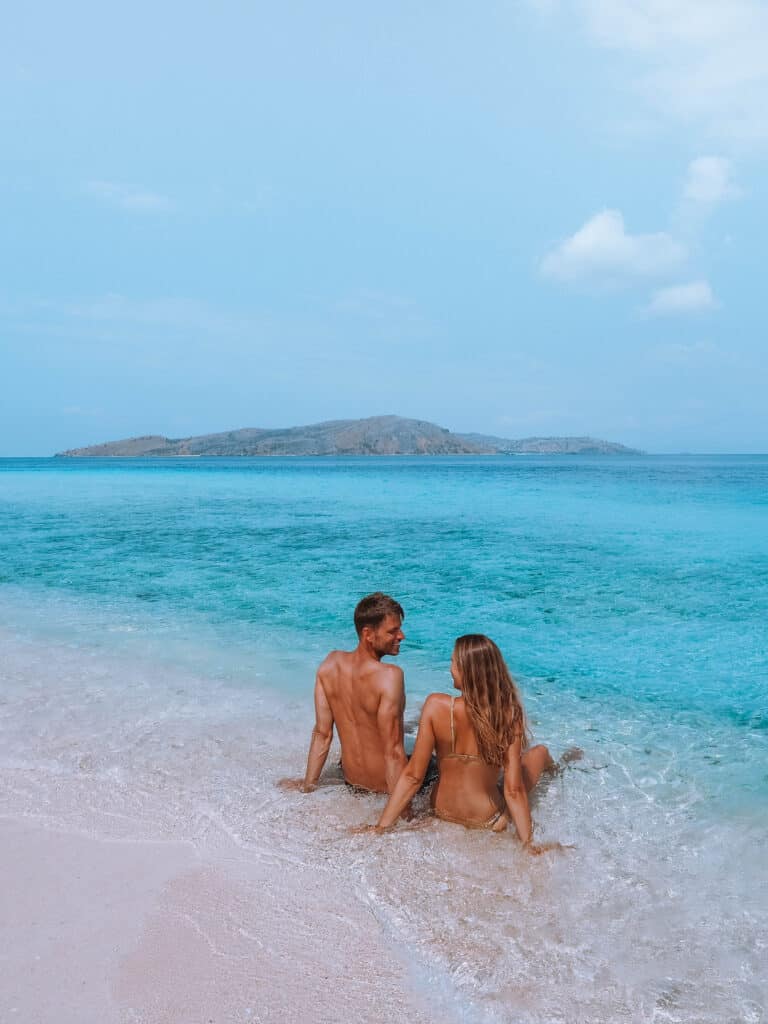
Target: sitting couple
(475, 735)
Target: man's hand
(359, 830)
(296, 784)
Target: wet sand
(154, 872)
(138, 932)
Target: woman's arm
(515, 793)
(412, 776)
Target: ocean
(161, 622)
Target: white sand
(151, 871)
(96, 932)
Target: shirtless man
(365, 699)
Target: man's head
(378, 618)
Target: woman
(475, 736)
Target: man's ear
(366, 633)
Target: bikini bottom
(493, 820)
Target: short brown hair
(374, 608)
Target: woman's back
(467, 791)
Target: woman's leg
(535, 761)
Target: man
(365, 699)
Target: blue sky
(523, 218)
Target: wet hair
(374, 608)
(492, 700)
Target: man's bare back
(365, 699)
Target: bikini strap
(453, 734)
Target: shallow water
(162, 622)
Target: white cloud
(700, 353)
(172, 313)
(603, 250)
(701, 61)
(79, 410)
(646, 25)
(709, 180)
(129, 197)
(374, 305)
(695, 297)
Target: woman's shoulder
(437, 700)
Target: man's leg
(535, 761)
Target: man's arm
(389, 721)
(320, 744)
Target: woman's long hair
(490, 696)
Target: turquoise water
(629, 595)
(642, 577)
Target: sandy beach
(139, 932)
(152, 871)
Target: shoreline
(153, 872)
(146, 932)
(126, 757)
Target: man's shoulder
(334, 659)
(389, 674)
(388, 684)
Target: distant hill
(377, 435)
(550, 445)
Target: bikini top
(453, 754)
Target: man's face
(387, 636)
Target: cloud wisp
(698, 354)
(700, 62)
(681, 299)
(709, 180)
(167, 312)
(604, 252)
(128, 197)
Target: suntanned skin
(468, 792)
(364, 698)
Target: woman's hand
(536, 849)
(410, 826)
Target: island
(376, 435)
